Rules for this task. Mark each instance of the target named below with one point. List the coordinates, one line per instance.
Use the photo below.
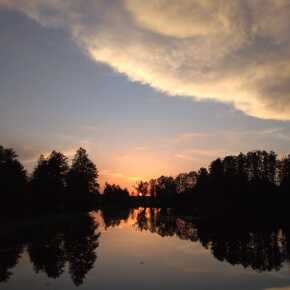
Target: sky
(149, 88)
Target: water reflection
(263, 248)
(112, 217)
(10, 253)
(51, 245)
(68, 244)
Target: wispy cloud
(199, 154)
(199, 149)
(236, 52)
(275, 132)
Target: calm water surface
(141, 249)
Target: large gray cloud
(236, 52)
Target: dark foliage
(52, 186)
(114, 194)
(12, 179)
(83, 173)
(82, 186)
(48, 181)
(253, 181)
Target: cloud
(199, 154)
(279, 133)
(235, 52)
(198, 149)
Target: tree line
(53, 184)
(257, 179)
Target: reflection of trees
(261, 248)
(9, 255)
(52, 245)
(47, 254)
(165, 223)
(113, 216)
(80, 243)
(72, 241)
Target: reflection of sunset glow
(130, 222)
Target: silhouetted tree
(185, 181)
(253, 181)
(242, 175)
(142, 188)
(48, 181)
(283, 173)
(152, 188)
(115, 194)
(271, 167)
(165, 188)
(12, 179)
(216, 173)
(82, 179)
(236, 182)
(202, 186)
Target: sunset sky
(147, 87)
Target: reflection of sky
(53, 96)
(129, 259)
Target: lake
(142, 249)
